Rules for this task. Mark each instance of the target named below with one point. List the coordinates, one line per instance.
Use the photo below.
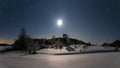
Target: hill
(113, 44)
(4, 44)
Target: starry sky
(88, 20)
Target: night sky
(88, 20)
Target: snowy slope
(47, 59)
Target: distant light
(59, 22)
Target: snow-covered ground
(95, 57)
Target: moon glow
(59, 22)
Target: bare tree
(58, 44)
(31, 46)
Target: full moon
(59, 22)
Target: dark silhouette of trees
(52, 42)
(25, 43)
(117, 44)
(65, 39)
(31, 46)
(23, 39)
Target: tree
(58, 44)
(53, 40)
(65, 39)
(20, 43)
(116, 43)
(31, 46)
(25, 42)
